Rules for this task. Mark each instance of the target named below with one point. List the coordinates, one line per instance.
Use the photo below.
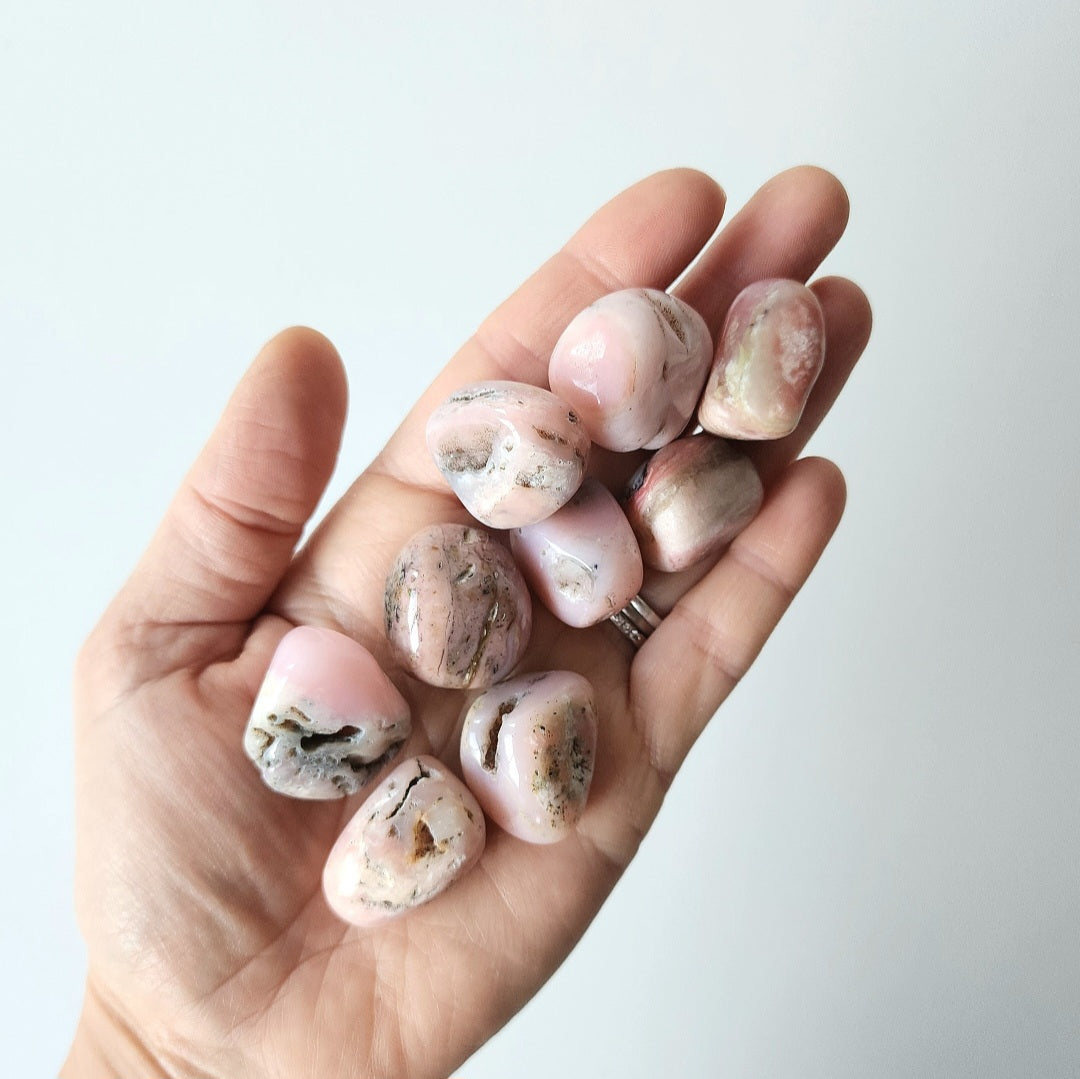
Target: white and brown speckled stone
(632, 366)
(513, 453)
(458, 612)
(326, 718)
(770, 353)
(691, 499)
(527, 752)
(417, 833)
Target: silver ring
(636, 621)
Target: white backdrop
(890, 801)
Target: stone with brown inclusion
(690, 499)
(417, 833)
(457, 610)
(513, 453)
(769, 355)
(632, 366)
(326, 718)
(527, 752)
(583, 561)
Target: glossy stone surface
(583, 561)
(770, 353)
(458, 612)
(417, 832)
(690, 499)
(513, 453)
(326, 718)
(527, 752)
(632, 366)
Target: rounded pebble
(326, 718)
(690, 499)
(771, 350)
(457, 609)
(513, 453)
(417, 833)
(583, 561)
(527, 751)
(632, 366)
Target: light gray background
(869, 866)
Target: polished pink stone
(416, 833)
(690, 499)
(632, 366)
(326, 718)
(513, 453)
(770, 354)
(527, 752)
(583, 561)
(458, 611)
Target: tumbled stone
(632, 366)
(513, 453)
(583, 561)
(458, 611)
(770, 353)
(690, 499)
(326, 718)
(416, 833)
(527, 752)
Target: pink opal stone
(416, 833)
(513, 453)
(632, 366)
(527, 752)
(326, 718)
(770, 354)
(458, 611)
(690, 499)
(583, 561)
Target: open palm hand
(212, 951)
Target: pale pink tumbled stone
(416, 833)
(632, 366)
(326, 718)
(513, 453)
(527, 751)
(458, 611)
(690, 499)
(583, 561)
(770, 354)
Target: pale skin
(212, 952)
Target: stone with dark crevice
(513, 453)
(327, 719)
(527, 752)
(415, 834)
(457, 609)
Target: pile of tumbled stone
(627, 375)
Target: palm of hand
(210, 943)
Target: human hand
(211, 949)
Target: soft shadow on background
(870, 863)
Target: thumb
(231, 529)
